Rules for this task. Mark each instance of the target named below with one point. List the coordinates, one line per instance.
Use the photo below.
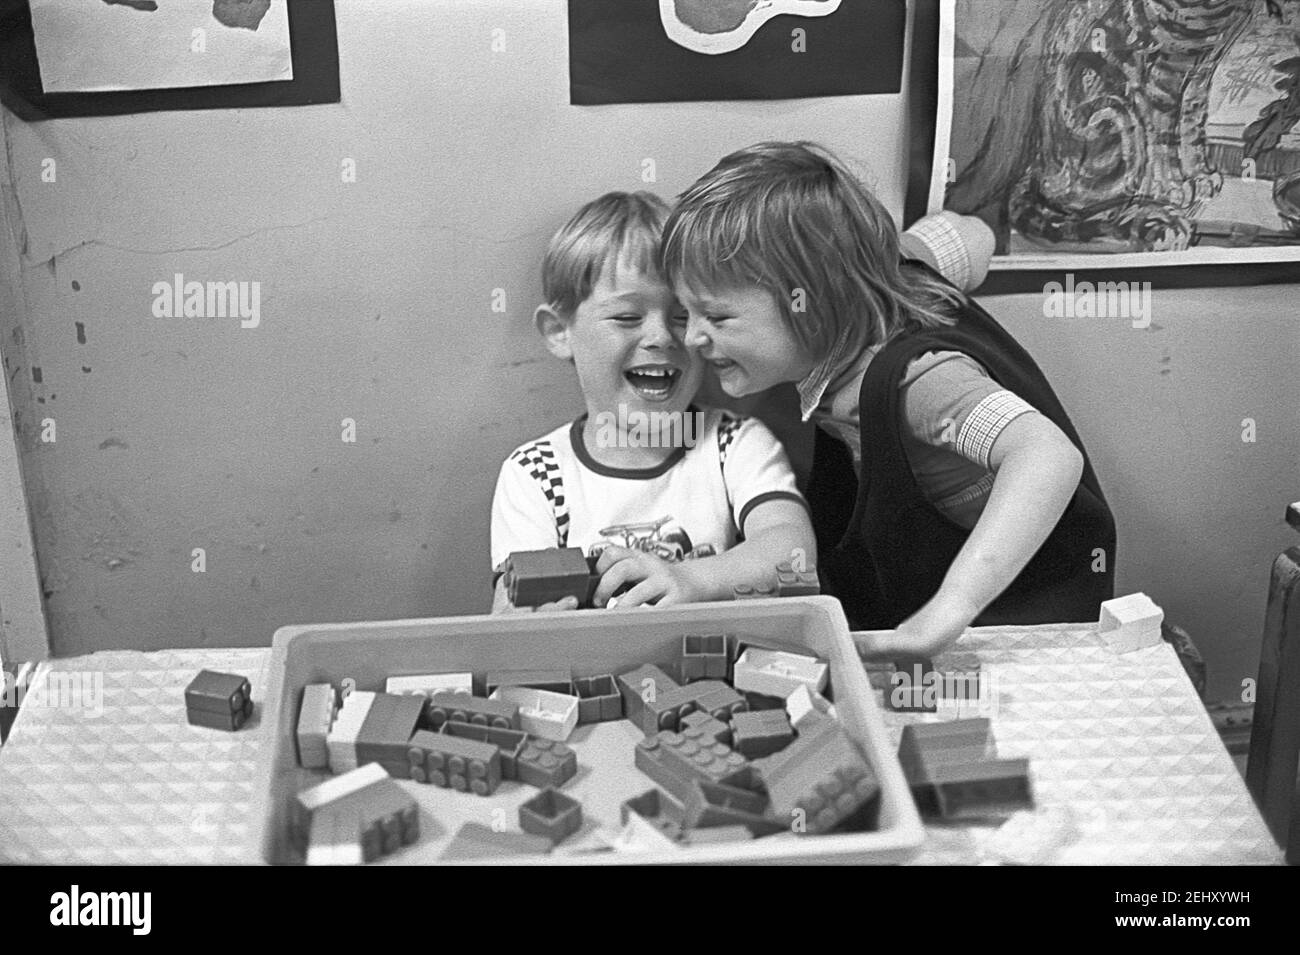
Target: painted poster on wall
(99, 45)
(660, 51)
(62, 58)
(1093, 134)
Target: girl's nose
(695, 337)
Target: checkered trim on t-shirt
(941, 236)
(727, 428)
(983, 425)
(538, 459)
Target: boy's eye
(717, 319)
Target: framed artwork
(101, 57)
(659, 51)
(1092, 135)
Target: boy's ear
(555, 330)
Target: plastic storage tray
(590, 643)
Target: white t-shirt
(695, 500)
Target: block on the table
(644, 683)
(342, 739)
(549, 715)
(806, 707)
(1130, 622)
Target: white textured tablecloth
(1120, 743)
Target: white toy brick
(805, 706)
(342, 740)
(542, 713)
(332, 790)
(428, 684)
(776, 673)
(1131, 622)
(315, 717)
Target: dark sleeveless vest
(884, 550)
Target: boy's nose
(695, 337)
(657, 333)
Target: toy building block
(665, 711)
(806, 707)
(911, 687)
(758, 702)
(755, 592)
(640, 834)
(925, 745)
(536, 577)
(644, 683)
(796, 583)
(992, 787)
(545, 763)
(335, 838)
(819, 780)
(717, 804)
(342, 739)
(657, 808)
(777, 673)
(310, 801)
(509, 743)
(598, 699)
(427, 684)
(453, 762)
(1130, 623)
(549, 715)
(711, 835)
(551, 814)
(704, 656)
(388, 726)
(441, 707)
(963, 693)
(389, 819)
(553, 681)
(761, 734)
(315, 716)
(708, 726)
(222, 701)
(717, 699)
(675, 760)
(477, 841)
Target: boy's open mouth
(653, 381)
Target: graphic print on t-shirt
(664, 538)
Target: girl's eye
(681, 319)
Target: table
(1119, 742)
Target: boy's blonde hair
(619, 226)
(789, 217)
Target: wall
(376, 305)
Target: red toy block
(387, 730)
(717, 699)
(441, 707)
(644, 683)
(598, 699)
(674, 761)
(657, 808)
(907, 684)
(819, 780)
(704, 657)
(551, 814)
(545, 763)
(509, 743)
(454, 763)
(924, 746)
(989, 788)
(536, 577)
(762, 733)
(709, 727)
(218, 700)
(796, 583)
(477, 841)
(717, 804)
(665, 711)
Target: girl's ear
(555, 330)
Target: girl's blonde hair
(791, 219)
(618, 226)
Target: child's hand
(928, 632)
(649, 579)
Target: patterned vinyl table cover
(1127, 767)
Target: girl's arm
(1037, 471)
(775, 531)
